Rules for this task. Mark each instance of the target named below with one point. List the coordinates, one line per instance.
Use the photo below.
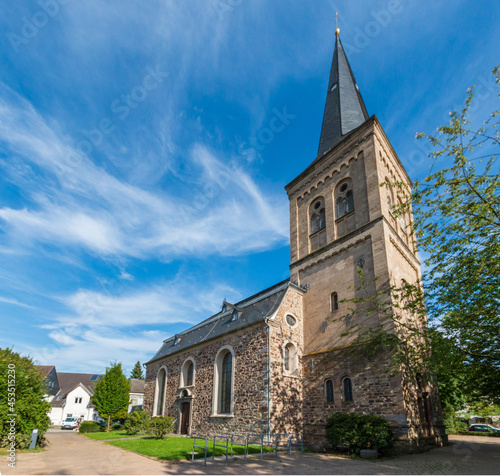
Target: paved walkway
(70, 453)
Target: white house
(71, 394)
(136, 394)
(74, 398)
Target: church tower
(340, 222)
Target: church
(280, 361)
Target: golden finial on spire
(337, 31)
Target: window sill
(285, 374)
(348, 403)
(344, 216)
(317, 232)
(186, 386)
(222, 415)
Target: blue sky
(139, 183)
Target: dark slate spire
(344, 108)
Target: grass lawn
(176, 448)
(112, 435)
(3, 451)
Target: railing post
(219, 446)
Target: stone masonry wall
(250, 384)
(374, 390)
(286, 394)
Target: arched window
(403, 222)
(344, 199)
(161, 384)
(335, 302)
(347, 387)
(190, 372)
(187, 373)
(290, 359)
(317, 214)
(226, 383)
(329, 391)
(390, 198)
(223, 382)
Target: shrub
(137, 422)
(27, 403)
(90, 427)
(357, 432)
(160, 426)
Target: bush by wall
(357, 432)
(137, 422)
(160, 426)
(90, 427)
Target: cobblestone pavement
(70, 453)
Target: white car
(69, 424)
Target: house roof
(69, 381)
(44, 369)
(137, 385)
(250, 311)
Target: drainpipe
(268, 380)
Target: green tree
(22, 394)
(456, 225)
(137, 371)
(111, 395)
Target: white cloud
(15, 302)
(224, 211)
(105, 326)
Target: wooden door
(185, 418)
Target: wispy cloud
(122, 324)
(78, 203)
(15, 302)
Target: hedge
(358, 432)
(90, 427)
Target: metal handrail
(239, 444)
(261, 438)
(278, 438)
(200, 447)
(296, 441)
(219, 437)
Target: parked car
(69, 424)
(484, 428)
(104, 423)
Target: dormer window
(333, 88)
(224, 306)
(177, 339)
(235, 315)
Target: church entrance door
(185, 418)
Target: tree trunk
(109, 422)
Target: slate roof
(68, 382)
(345, 109)
(250, 311)
(137, 385)
(44, 369)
